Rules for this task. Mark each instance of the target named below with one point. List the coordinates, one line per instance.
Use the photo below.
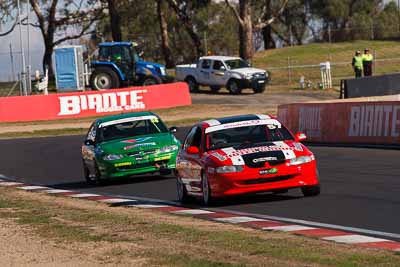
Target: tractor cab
(118, 64)
(122, 54)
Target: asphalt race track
(360, 186)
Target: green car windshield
(131, 129)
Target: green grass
(314, 54)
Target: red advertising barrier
(93, 103)
(351, 122)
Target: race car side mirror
(300, 137)
(173, 129)
(193, 150)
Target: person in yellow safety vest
(367, 62)
(357, 64)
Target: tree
(165, 47)
(185, 10)
(58, 23)
(346, 19)
(115, 20)
(245, 17)
(52, 19)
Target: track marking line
(10, 183)
(320, 232)
(33, 187)
(288, 228)
(83, 195)
(147, 206)
(238, 219)
(193, 212)
(170, 208)
(354, 239)
(57, 191)
(315, 224)
(116, 200)
(262, 224)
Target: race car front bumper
(251, 181)
(162, 163)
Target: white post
(23, 78)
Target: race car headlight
(301, 160)
(167, 149)
(112, 157)
(229, 169)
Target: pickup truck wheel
(259, 89)
(149, 81)
(233, 87)
(215, 88)
(193, 85)
(103, 79)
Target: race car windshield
(236, 64)
(131, 129)
(257, 134)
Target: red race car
(243, 154)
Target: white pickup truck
(219, 71)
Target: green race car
(128, 144)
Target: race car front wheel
(311, 191)
(182, 192)
(205, 185)
(91, 178)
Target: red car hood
(258, 154)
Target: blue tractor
(119, 65)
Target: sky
(36, 48)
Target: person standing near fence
(367, 62)
(357, 64)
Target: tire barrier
(371, 86)
(348, 122)
(93, 103)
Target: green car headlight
(112, 157)
(167, 149)
(301, 160)
(229, 169)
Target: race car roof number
(149, 117)
(274, 124)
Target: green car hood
(140, 143)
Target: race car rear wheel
(205, 186)
(233, 87)
(182, 192)
(311, 191)
(192, 83)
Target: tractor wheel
(103, 79)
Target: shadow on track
(123, 181)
